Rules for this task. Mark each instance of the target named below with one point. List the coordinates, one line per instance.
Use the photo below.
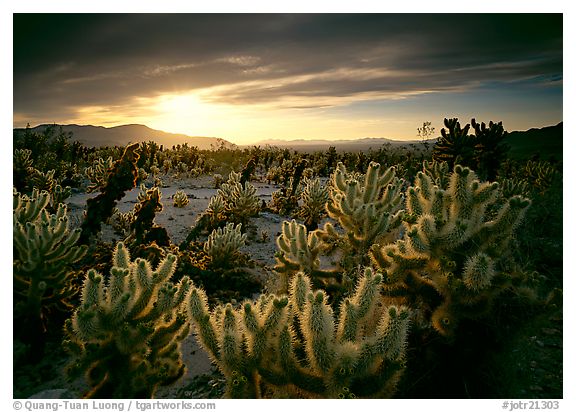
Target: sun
(184, 113)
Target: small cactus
(98, 173)
(223, 244)
(180, 199)
(314, 198)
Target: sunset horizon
(252, 77)
(415, 137)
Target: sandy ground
(177, 222)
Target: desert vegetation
(428, 271)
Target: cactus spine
(367, 209)
(126, 333)
(44, 250)
(453, 244)
(235, 202)
(295, 346)
(314, 198)
(180, 199)
(223, 244)
(299, 251)
(98, 173)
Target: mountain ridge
(99, 136)
(544, 142)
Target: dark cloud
(67, 60)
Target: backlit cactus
(180, 199)
(125, 335)
(539, 174)
(448, 261)
(368, 210)
(43, 181)
(44, 250)
(233, 202)
(223, 244)
(299, 251)
(58, 195)
(314, 198)
(438, 172)
(295, 346)
(122, 222)
(98, 173)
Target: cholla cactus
(180, 199)
(167, 166)
(314, 198)
(155, 170)
(217, 179)
(274, 174)
(438, 172)
(294, 346)
(239, 201)
(143, 193)
(44, 250)
(449, 259)
(122, 221)
(299, 251)
(223, 244)
(490, 148)
(43, 181)
(22, 168)
(455, 146)
(58, 195)
(144, 229)
(121, 177)
(513, 187)
(539, 174)
(216, 210)
(126, 333)
(368, 210)
(142, 174)
(98, 173)
(182, 169)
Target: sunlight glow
(183, 113)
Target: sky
(253, 77)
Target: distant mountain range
(340, 145)
(98, 136)
(545, 142)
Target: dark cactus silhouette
(455, 146)
(122, 178)
(490, 149)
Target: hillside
(98, 136)
(546, 143)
